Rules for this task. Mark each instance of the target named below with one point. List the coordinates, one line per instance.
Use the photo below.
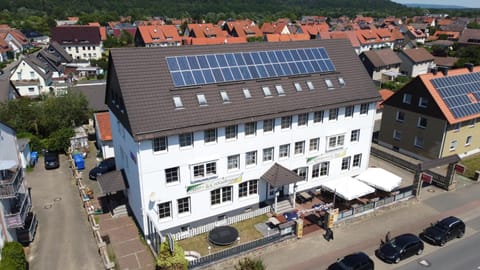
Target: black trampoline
(223, 235)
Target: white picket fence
(227, 221)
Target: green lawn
(246, 230)
(472, 163)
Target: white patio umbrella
(380, 178)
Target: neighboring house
(314, 30)
(17, 221)
(275, 28)
(286, 37)
(4, 49)
(350, 35)
(382, 65)
(416, 35)
(208, 34)
(375, 39)
(95, 94)
(31, 77)
(197, 140)
(103, 30)
(7, 89)
(242, 28)
(435, 115)
(448, 62)
(82, 42)
(103, 133)
(416, 61)
(445, 35)
(55, 57)
(17, 41)
(118, 28)
(469, 37)
(157, 36)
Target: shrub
(250, 264)
(175, 261)
(13, 257)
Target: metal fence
(227, 221)
(238, 249)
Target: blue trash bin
(79, 161)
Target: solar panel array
(454, 91)
(190, 70)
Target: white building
(31, 78)
(82, 42)
(196, 129)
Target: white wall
(85, 52)
(27, 80)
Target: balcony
(18, 211)
(26, 234)
(10, 182)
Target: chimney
(444, 70)
(469, 66)
(434, 71)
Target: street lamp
(209, 250)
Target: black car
(354, 261)
(106, 165)
(399, 248)
(444, 230)
(51, 160)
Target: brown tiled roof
(445, 61)
(102, 120)
(418, 55)
(76, 35)
(383, 57)
(470, 36)
(286, 37)
(112, 182)
(278, 176)
(103, 30)
(141, 80)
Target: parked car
(354, 261)
(399, 248)
(443, 231)
(51, 160)
(106, 165)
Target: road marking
(424, 263)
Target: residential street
(64, 239)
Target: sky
(464, 3)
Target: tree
(13, 257)
(250, 264)
(168, 261)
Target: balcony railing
(10, 183)
(18, 211)
(26, 234)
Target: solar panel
(226, 67)
(454, 90)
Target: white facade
(28, 81)
(84, 52)
(412, 69)
(146, 169)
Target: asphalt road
(64, 238)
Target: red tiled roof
(289, 37)
(206, 30)
(103, 125)
(385, 94)
(159, 33)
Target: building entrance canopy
(278, 176)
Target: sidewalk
(362, 234)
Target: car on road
(106, 165)
(51, 160)
(354, 261)
(444, 230)
(399, 248)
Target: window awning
(348, 188)
(380, 178)
(112, 182)
(278, 176)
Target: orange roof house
(207, 34)
(103, 30)
(242, 28)
(157, 35)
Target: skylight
(280, 90)
(177, 101)
(329, 83)
(225, 97)
(201, 99)
(266, 91)
(246, 92)
(298, 86)
(310, 85)
(341, 81)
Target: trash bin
(33, 158)
(79, 161)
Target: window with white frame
(231, 132)
(397, 135)
(422, 122)
(172, 175)
(268, 154)
(302, 172)
(204, 170)
(286, 122)
(248, 188)
(160, 144)
(346, 163)
(318, 116)
(333, 114)
(422, 102)
(314, 144)
(349, 111)
(165, 210)
(355, 135)
(183, 205)
(251, 158)
(221, 195)
(418, 142)
(284, 151)
(233, 162)
(250, 128)
(299, 148)
(316, 170)
(407, 98)
(453, 145)
(357, 160)
(268, 125)
(400, 116)
(335, 142)
(210, 135)
(324, 168)
(302, 119)
(468, 141)
(185, 139)
(364, 108)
